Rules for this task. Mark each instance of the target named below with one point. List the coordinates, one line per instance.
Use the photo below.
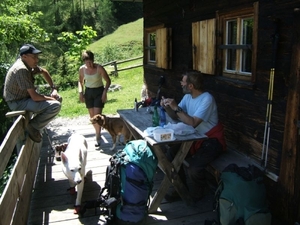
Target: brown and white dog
(73, 161)
(115, 127)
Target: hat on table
(29, 49)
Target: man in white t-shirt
(198, 109)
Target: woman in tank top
(91, 88)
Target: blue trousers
(44, 111)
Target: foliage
(3, 106)
(77, 43)
(72, 58)
(18, 27)
(105, 13)
(126, 12)
(7, 172)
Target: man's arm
(48, 79)
(38, 97)
(175, 112)
(171, 112)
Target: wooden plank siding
(241, 103)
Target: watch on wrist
(178, 110)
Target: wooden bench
(216, 167)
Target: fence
(116, 63)
(16, 197)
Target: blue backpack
(129, 181)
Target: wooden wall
(242, 105)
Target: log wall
(242, 105)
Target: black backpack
(128, 185)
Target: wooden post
(116, 69)
(289, 181)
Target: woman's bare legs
(93, 112)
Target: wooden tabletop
(142, 119)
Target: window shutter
(204, 46)
(163, 48)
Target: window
(238, 54)
(151, 47)
(227, 45)
(157, 48)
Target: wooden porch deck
(52, 204)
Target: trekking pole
(264, 156)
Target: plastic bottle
(162, 117)
(155, 117)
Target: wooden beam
(289, 170)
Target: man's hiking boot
(34, 134)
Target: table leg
(171, 176)
(135, 134)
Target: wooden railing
(116, 63)
(16, 197)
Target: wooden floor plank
(53, 205)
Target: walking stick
(264, 155)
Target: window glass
(238, 41)
(246, 55)
(152, 47)
(231, 38)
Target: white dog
(73, 165)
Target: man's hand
(168, 102)
(54, 93)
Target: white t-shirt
(203, 107)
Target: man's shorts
(93, 97)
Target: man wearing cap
(20, 94)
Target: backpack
(241, 197)
(128, 185)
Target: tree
(71, 60)
(106, 22)
(18, 27)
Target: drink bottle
(155, 117)
(135, 105)
(162, 117)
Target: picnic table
(137, 122)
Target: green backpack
(241, 197)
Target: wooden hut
(249, 54)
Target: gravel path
(60, 128)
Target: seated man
(20, 94)
(198, 109)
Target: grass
(124, 35)
(131, 82)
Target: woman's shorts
(93, 97)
